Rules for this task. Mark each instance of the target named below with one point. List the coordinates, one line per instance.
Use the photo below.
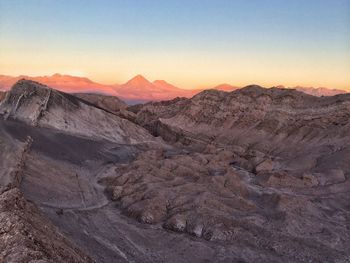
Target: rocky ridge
(38, 105)
(281, 151)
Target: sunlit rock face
(252, 175)
(38, 105)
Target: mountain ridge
(137, 89)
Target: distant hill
(226, 87)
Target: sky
(190, 43)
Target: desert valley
(252, 175)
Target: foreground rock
(38, 105)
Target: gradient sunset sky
(190, 43)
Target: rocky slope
(271, 168)
(282, 129)
(254, 175)
(59, 171)
(250, 116)
(110, 103)
(27, 236)
(38, 105)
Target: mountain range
(137, 89)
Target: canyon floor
(253, 175)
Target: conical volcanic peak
(138, 80)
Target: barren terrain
(253, 175)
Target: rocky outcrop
(39, 105)
(280, 123)
(275, 111)
(110, 104)
(207, 196)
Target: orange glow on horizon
(190, 72)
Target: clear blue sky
(188, 42)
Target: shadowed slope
(26, 235)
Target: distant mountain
(320, 91)
(139, 88)
(65, 83)
(226, 87)
(136, 90)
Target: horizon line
(202, 87)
